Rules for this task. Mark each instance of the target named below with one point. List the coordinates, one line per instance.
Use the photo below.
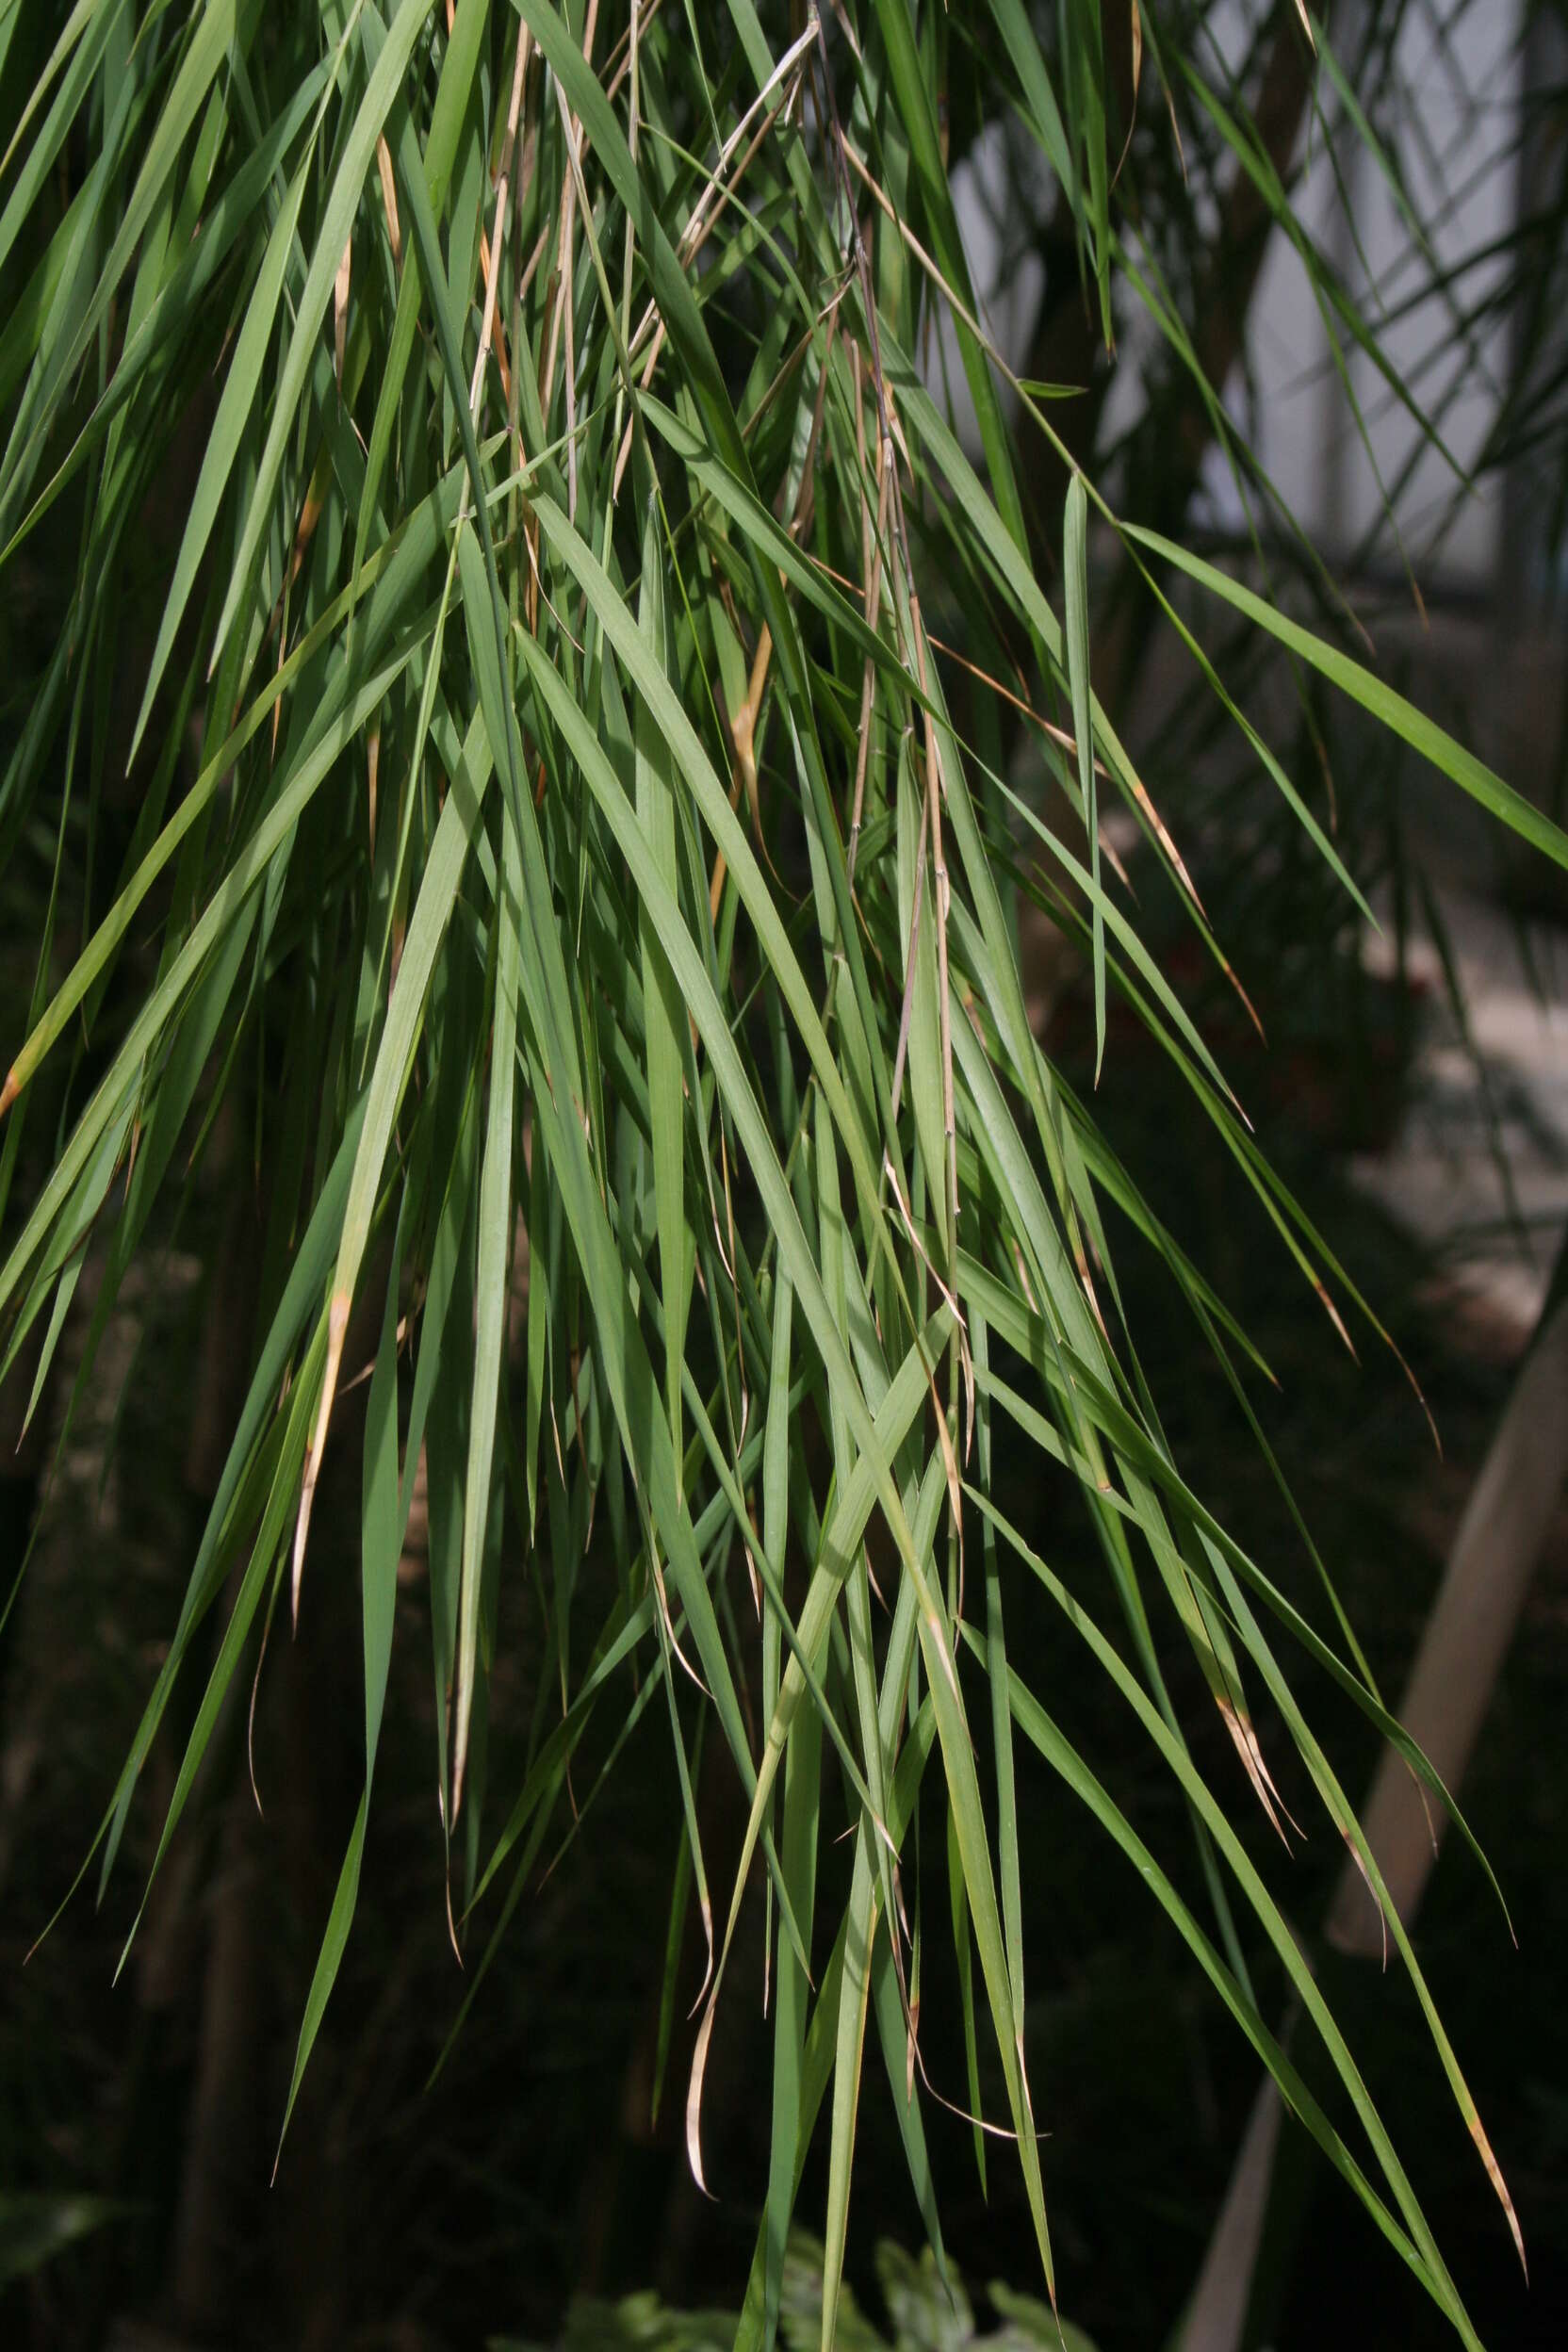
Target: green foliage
(596, 891)
(924, 2314)
(33, 2229)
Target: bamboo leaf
(1075, 577)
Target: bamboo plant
(591, 739)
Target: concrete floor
(1478, 1166)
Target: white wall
(1454, 142)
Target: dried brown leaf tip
(1495, 2174)
(694, 2095)
(1335, 1315)
(1246, 1740)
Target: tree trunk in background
(1067, 346)
(1472, 1624)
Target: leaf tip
(1334, 1316)
(694, 2096)
(1494, 2175)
